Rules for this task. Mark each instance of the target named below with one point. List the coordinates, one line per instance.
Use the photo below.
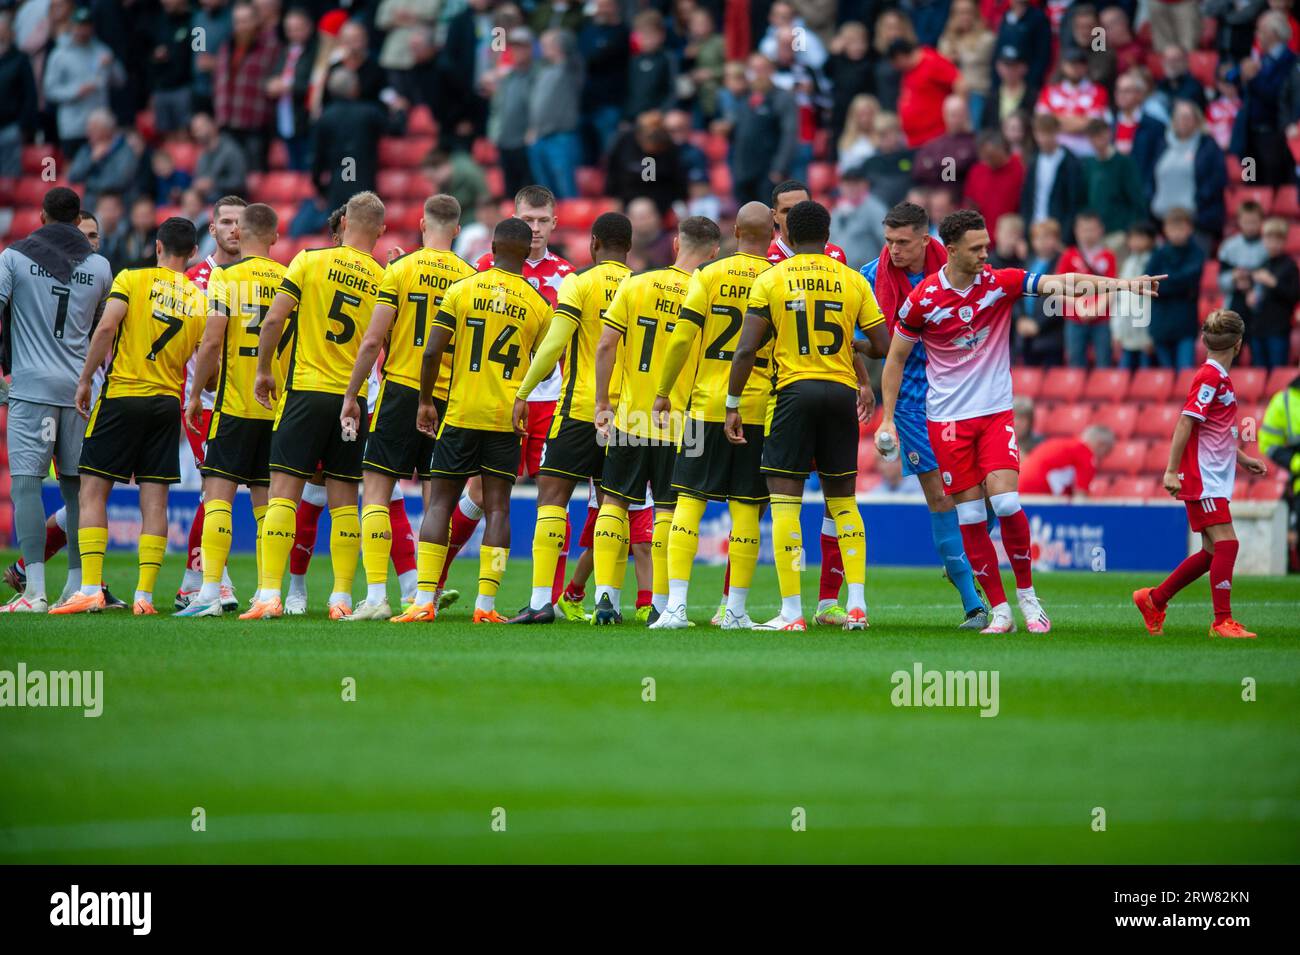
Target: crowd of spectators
(1110, 137)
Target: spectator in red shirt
(1087, 319)
(1065, 466)
(927, 80)
(1074, 100)
(994, 182)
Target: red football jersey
(1058, 466)
(1208, 467)
(1087, 309)
(200, 272)
(545, 275)
(778, 251)
(967, 337)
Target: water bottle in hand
(886, 445)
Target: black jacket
(17, 90)
(1069, 192)
(764, 138)
(348, 130)
(625, 179)
(1276, 306)
(301, 84)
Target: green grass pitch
(452, 722)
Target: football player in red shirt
(224, 229)
(1203, 459)
(544, 271)
(963, 315)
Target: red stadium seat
(391, 183)
(420, 122)
(1202, 64)
(1151, 384)
(720, 178)
(1268, 487)
(1106, 384)
(1236, 195)
(1157, 458)
(1100, 486)
(1293, 239)
(867, 457)
(821, 177)
(716, 148)
(1183, 383)
(1027, 382)
(1278, 379)
(582, 213)
(484, 152)
(402, 217)
(1127, 457)
(275, 187)
(1135, 488)
(25, 222)
(1286, 203)
(496, 180)
(34, 157)
(1157, 420)
(1210, 277)
(392, 241)
(1067, 420)
(404, 152)
(868, 483)
(277, 157)
(1120, 417)
(591, 181)
(1249, 384)
(184, 154)
(31, 192)
(1063, 384)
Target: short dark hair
(808, 221)
(1092, 214)
(61, 204)
(790, 185)
(991, 137)
(899, 47)
(335, 220)
(84, 215)
(1145, 227)
(236, 201)
(177, 236)
(699, 232)
(260, 220)
(513, 230)
(957, 224)
(536, 196)
(442, 210)
(907, 214)
(614, 230)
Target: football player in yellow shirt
(573, 451)
(811, 304)
(152, 323)
(238, 449)
(497, 319)
(333, 291)
(641, 319)
(708, 466)
(409, 298)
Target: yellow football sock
(429, 561)
(376, 542)
(659, 551)
(548, 542)
(683, 536)
(491, 568)
(152, 549)
(742, 548)
(609, 545)
(787, 543)
(92, 542)
(259, 515)
(853, 537)
(345, 546)
(215, 543)
(278, 529)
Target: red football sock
(983, 560)
(574, 592)
(832, 568)
(557, 587)
(1225, 558)
(195, 561)
(304, 537)
(643, 599)
(1192, 568)
(55, 539)
(726, 580)
(403, 550)
(1016, 539)
(462, 529)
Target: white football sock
(407, 582)
(209, 592)
(736, 600)
(35, 581)
(376, 593)
(541, 598)
(144, 595)
(857, 596)
(677, 590)
(485, 603)
(825, 605)
(791, 607)
(297, 585)
(340, 598)
(192, 580)
(659, 602)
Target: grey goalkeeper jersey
(51, 322)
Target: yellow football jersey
(715, 303)
(496, 320)
(335, 289)
(584, 296)
(414, 285)
(165, 315)
(814, 303)
(644, 312)
(243, 292)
